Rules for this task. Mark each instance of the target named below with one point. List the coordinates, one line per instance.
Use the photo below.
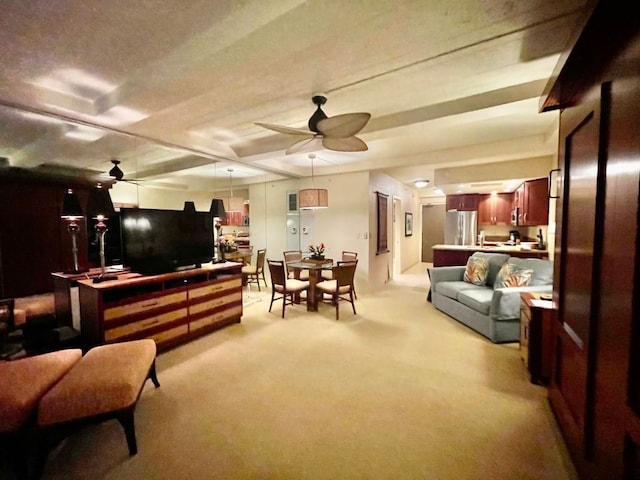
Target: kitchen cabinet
(532, 201)
(495, 209)
(464, 202)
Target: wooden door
(572, 380)
(433, 217)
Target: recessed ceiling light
(421, 183)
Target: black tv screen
(159, 241)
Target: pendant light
(235, 204)
(312, 198)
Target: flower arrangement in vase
(317, 251)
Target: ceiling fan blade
(345, 125)
(306, 145)
(348, 144)
(282, 129)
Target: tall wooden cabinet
(595, 379)
(171, 308)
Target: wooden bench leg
(126, 420)
(152, 375)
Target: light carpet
(398, 391)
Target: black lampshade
(217, 208)
(71, 209)
(189, 207)
(100, 203)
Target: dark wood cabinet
(536, 336)
(463, 202)
(495, 209)
(171, 308)
(532, 201)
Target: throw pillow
(511, 275)
(476, 271)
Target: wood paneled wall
(595, 388)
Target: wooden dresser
(171, 308)
(536, 335)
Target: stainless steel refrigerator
(461, 228)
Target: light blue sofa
(494, 313)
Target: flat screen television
(160, 241)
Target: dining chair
(253, 272)
(294, 256)
(346, 257)
(281, 284)
(341, 287)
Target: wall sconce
(100, 207)
(71, 211)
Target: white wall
(348, 224)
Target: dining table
(315, 268)
(242, 256)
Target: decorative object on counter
(408, 224)
(317, 251)
(540, 240)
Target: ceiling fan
(117, 173)
(333, 133)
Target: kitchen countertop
(488, 248)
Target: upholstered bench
(105, 384)
(22, 384)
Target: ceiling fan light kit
(333, 133)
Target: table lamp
(72, 212)
(101, 208)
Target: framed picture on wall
(408, 224)
(381, 210)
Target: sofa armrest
(505, 304)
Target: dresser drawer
(215, 318)
(141, 325)
(167, 335)
(194, 309)
(120, 311)
(217, 287)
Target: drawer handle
(152, 304)
(152, 322)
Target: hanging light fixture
(235, 204)
(312, 198)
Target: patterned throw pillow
(511, 275)
(476, 271)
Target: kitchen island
(447, 255)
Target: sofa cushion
(513, 275)
(479, 300)
(451, 289)
(542, 269)
(476, 270)
(495, 261)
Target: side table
(536, 335)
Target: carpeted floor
(399, 391)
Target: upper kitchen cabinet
(495, 209)
(531, 199)
(466, 202)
